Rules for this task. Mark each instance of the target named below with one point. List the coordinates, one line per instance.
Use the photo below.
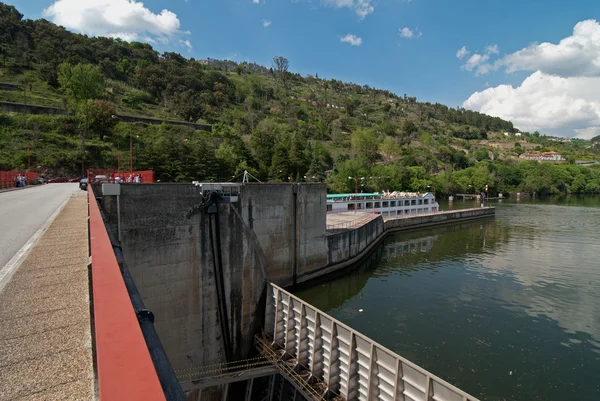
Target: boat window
(350, 206)
(426, 201)
(369, 205)
(377, 205)
(420, 201)
(385, 204)
(361, 205)
(329, 208)
(406, 203)
(413, 202)
(392, 203)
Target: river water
(506, 308)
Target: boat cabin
(394, 204)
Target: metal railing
(350, 224)
(349, 364)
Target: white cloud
(266, 23)
(462, 52)
(126, 19)
(546, 103)
(478, 62)
(406, 32)
(187, 44)
(560, 97)
(492, 49)
(576, 55)
(256, 1)
(588, 132)
(362, 8)
(352, 39)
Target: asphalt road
(23, 212)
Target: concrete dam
(211, 262)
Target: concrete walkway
(347, 220)
(45, 331)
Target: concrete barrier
(11, 107)
(437, 219)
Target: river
(506, 308)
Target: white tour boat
(394, 204)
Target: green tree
(81, 82)
(364, 144)
(518, 149)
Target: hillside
(278, 125)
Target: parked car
(37, 181)
(59, 179)
(76, 179)
(83, 184)
(101, 179)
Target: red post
(130, 151)
(28, 156)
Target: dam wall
(436, 219)
(202, 271)
(275, 232)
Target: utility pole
(355, 191)
(130, 151)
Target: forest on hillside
(278, 125)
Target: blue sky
(308, 33)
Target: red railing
(123, 364)
(7, 178)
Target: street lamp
(474, 195)
(130, 146)
(356, 189)
(29, 151)
(432, 187)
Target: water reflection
(507, 308)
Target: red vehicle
(59, 179)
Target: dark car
(83, 184)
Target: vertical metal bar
(119, 216)
(317, 346)
(428, 392)
(288, 321)
(399, 382)
(302, 334)
(351, 370)
(249, 389)
(199, 395)
(371, 369)
(331, 357)
(271, 387)
(283, 383)
(224, 394)
(277, 312)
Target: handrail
(124, 368)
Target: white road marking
(13, 265)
